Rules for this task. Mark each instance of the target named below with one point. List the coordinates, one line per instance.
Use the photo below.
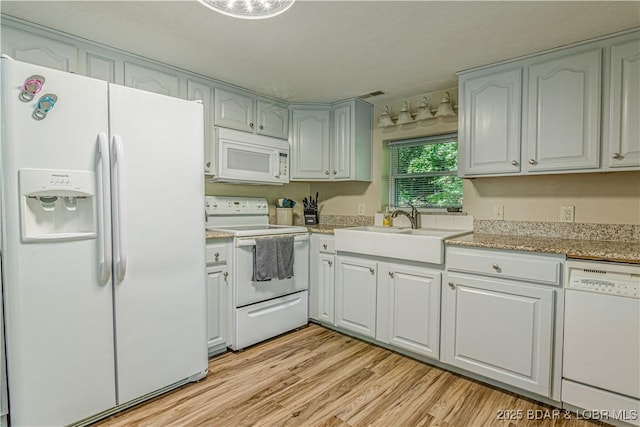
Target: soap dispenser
(386, 221)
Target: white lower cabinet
(409, 308)
(322, 279)
(356, 281)
(217, 296)
(498, 326)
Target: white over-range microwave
(245, 158)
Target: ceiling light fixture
(249, 9)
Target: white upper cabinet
(233, 110)
(490, 123)
(341, 150)
(563, 113)
(572, 109)
(203, 92)
(151, 80)
(245, 112)
(623, 131)
(39, 50)
(310, 143)
(273, 118)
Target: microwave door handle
(276, 164)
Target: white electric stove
(260, 310)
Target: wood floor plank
(315, 377)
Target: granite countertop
(325, 229)
(599, 250)
(217, 235)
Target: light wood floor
(318, 377)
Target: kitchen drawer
(326, 244)
(530, 267)
(217, 253)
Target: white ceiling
(330, 50)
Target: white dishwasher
(601, 366)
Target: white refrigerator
(102, 244)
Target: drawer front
(217, 253)
(535, 268)
(327, 244)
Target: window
(423, 172)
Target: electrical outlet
(567, 213)
(498, 212)
(361, 207)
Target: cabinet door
(624, 105)
(341, 142)
(151, 80)
(217, 278)
(39, 50)
(356, 295)
(326, 288)
(310, 145)
(499, 329)
(563, 129)
(490, 140)
(196, 90)
(409, 308)
(273, 119)
(233, 110)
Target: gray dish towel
(273, 258)
(285, 257)
(265, 260)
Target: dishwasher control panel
(605, 279)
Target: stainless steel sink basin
(423, 244)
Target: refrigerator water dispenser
(57, 205)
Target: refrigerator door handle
(118, 197)
(104, 251)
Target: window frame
(395, 145)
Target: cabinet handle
(326, 172)
(496, 267)
(330, 263)
(208, 164)
(372, 270)
(452, 285)
(532, 161)
(391, 274)
(324, 246)
(261, 127)
(616, 155)
(335, 172)
(217, 255)
(251, 125)
(225, 275)
(514, 162)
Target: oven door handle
(252, 241)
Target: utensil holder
(284, 216)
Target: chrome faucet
(414, 216)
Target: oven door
(248, 292)
(251, 163)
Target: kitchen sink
(422, 244)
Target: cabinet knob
(514, 162)
(330, 263)
(335, 172)
(615, 155)
(225, 275)
(217, 255)
(261, 127)
(326, 172)
(532, 161)
(452, 285)
(391, 274)
(372, 270)
(324, 246)
(208, 164)
(496, 267)
(251, 125)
